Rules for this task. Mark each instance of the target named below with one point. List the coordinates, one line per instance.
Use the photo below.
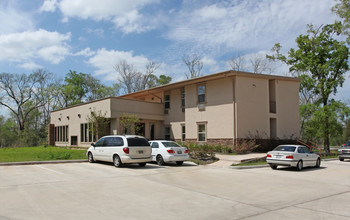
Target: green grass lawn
(21, 154)
(252, 163)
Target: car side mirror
(92, 144)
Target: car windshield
(170, 144)
(137, 142)
(285, 148)
(347, 144)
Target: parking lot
(101, 191)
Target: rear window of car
(347, 143)
(285, 148)
(137, 142)
(170, 144)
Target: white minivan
(121, 149)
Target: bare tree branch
(194, 64)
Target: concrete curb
(249, 167)
(43, 162)
(266, 165)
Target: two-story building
(217, 108)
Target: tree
(342, 9)
(132, 81)
(99, 125)
(130, 122)
(325, 59)
(80, 87)
(256, 63)
(20, 94)
(347, 131)
(194, 64)
(237, 63)
(8, 132)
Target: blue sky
(91, 36)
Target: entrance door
(152, 131)
(74, 140)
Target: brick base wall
(264, 145)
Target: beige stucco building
(217, 108)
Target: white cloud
(13, 20)
(87, 52)
(30, 66)
(29, 46)
(247, 25)
(125, 14)
(49, 6)
(104, 61)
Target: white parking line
(50, 170)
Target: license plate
(278, 156)
(140, 151)
(179, 152)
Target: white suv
(121, 149)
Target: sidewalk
(228, 160)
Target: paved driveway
(101, 191)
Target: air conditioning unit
(201, 107)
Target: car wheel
(341, 159)
(142, 164)
(117, 162)
(160, 160)
(318, 163)
(179, 163)
(300, 165)
(90, 158)
(273, 166)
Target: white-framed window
(183, 133)
(202, 132)
(201, 93)
(167, 133)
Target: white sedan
(297, 156)
(168, 151)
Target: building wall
(218, 113)
(74, 116)
(287, 109)
(113, 108)
(253, 108)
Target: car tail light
(268, 155)
(289, 157)
(186, 152)
(171, 151)
(126, 150)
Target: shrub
(246, 146)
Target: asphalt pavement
(101, 191)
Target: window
(99, 143)
(167, 133)
(201, 93)
(183, 132)
(86, 133)
(155, 145)
(201, 132)
(61, 133)
(114, 141)
(183, 100)
(137, 142)
(167, 101)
